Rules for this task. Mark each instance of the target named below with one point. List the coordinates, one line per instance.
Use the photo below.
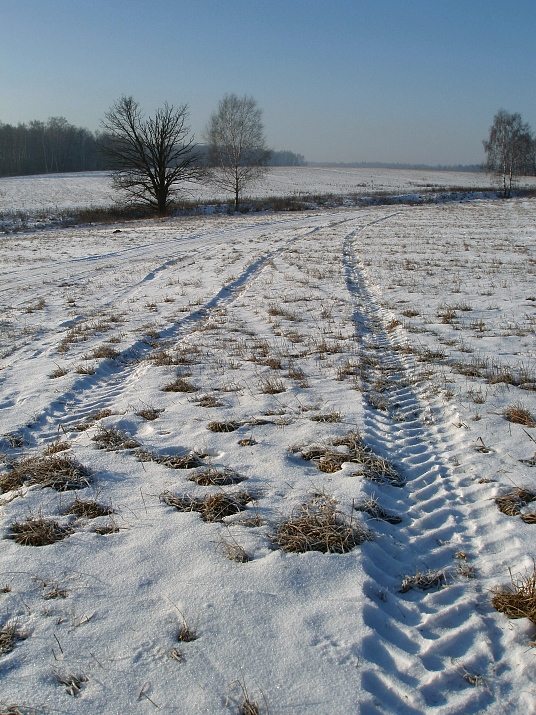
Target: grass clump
(318, 526)
(88, 509)
(223, 426)
(423, 580)
(60, 472)
(375, 511)
(56, 446)
(512, 502)
(112, 439)
(518, 600)
(38, 531)
(173, 461)
(180, 385)
(328, 417)
(519, 415)
(214, 507)
(105, 351)
(149, 413)
(216, 477)
(10, 633)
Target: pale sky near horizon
(414, 81)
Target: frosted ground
(363, 365)
(68, 191)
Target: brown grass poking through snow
(318, 526)
(423, 580)
(60, 472)
(112, 439)
(38, 532)
(216, 477)
(180, 385)
(223, 426)
(512, 502)
(88, 509)
(519, 414)
(271, 386)
(233, 551)
(105, 351)
(10, 633)
(518, 600)
(55, 447)
(327, 417)
(172, 461)
(149, 413)
(214, 507)
(371, 507)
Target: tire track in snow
(113, 379)
(418, 642)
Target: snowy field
(189, 405)
(56, 192)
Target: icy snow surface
(411, 329)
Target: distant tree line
(56, 146)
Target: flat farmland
(278, 458)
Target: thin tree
(509, 149)
(150, 157)
(236, 151)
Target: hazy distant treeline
(55, 146)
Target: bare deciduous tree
(150, 157)
(510, 149)
(237, 152)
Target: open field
(57, 192)
(269, 459)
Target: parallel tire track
(420, 644)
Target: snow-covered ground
(351, 370)
(57, 192)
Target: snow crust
(412, 327)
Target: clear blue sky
(338, 80)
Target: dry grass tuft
(59, 472)
(10, 633)
(214, 507)
(247, 442)
(519, 414)
(73, 683)
(518, 600)
(149, 413)
(373, 467)
(375, 511)
(173, 461)
(271, 386)
(327, 417)
(207, 401)
(112, 439)
(318, 526)
(110, 528)
(105, 351)
(58, 372)
(38, 532)
(233, 551)
(223, 426)
(180, 385)
(55, 447)
(424, 581)
(216, 477)
(512, 502)
(187, 633)
(88, 509)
